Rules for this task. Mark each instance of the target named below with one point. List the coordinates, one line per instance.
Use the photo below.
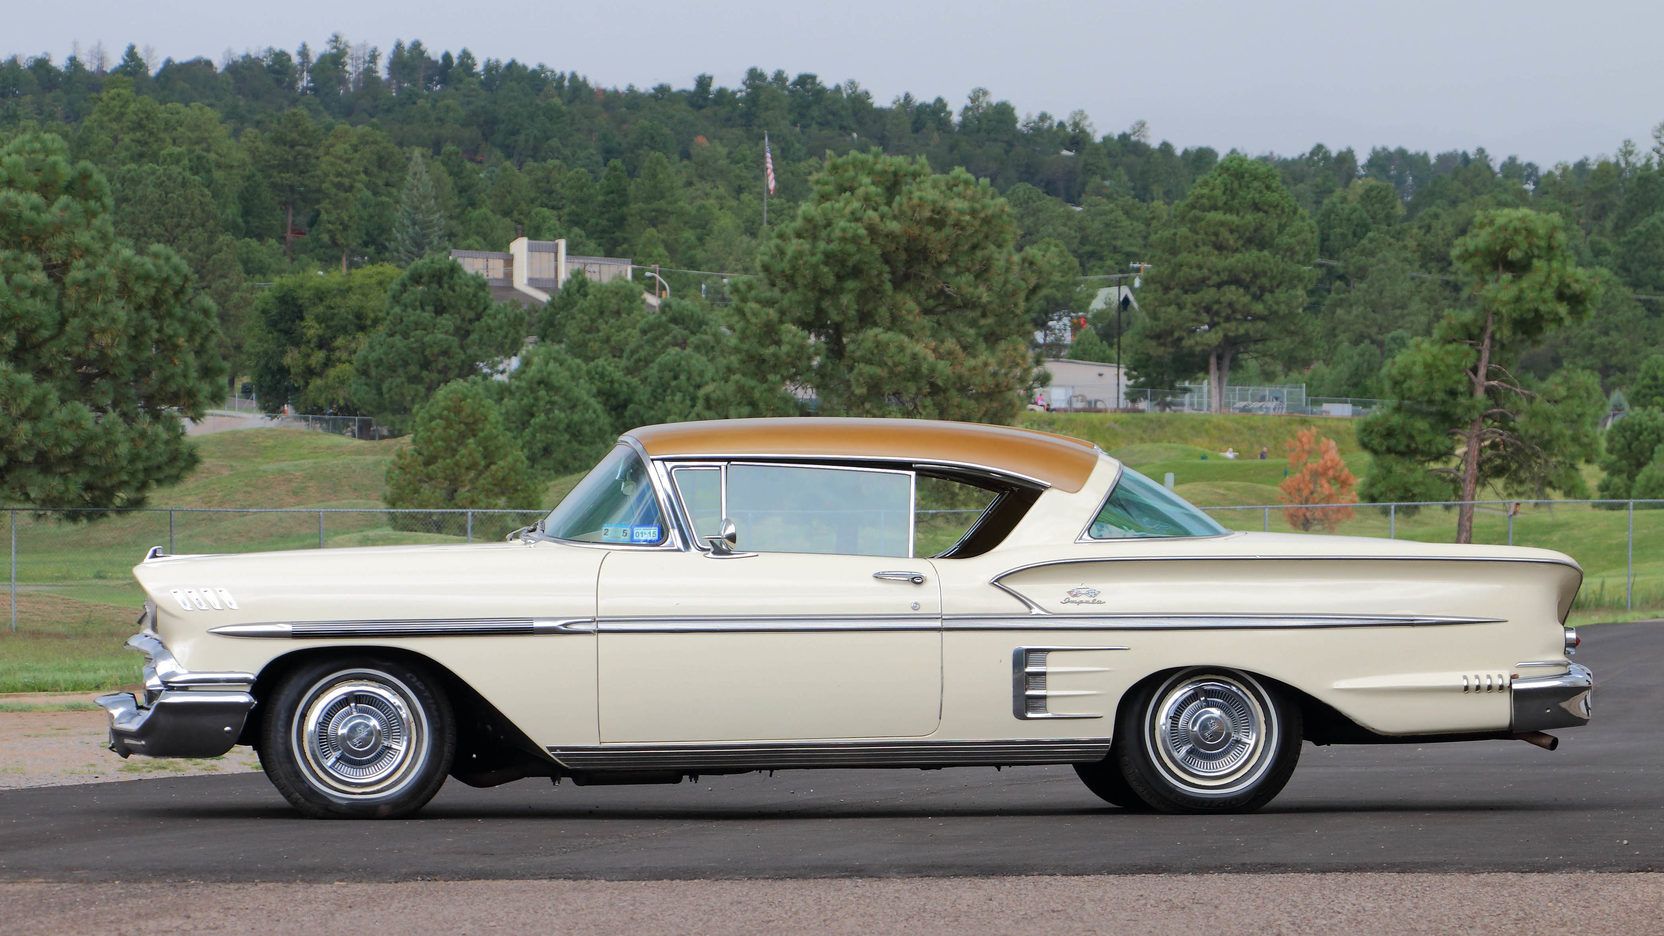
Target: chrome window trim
(835, 460)
(673, 538)
(669, 466)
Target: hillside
(1190, 445)
(78, 600)
(77, 597)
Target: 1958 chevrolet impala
(745, 595)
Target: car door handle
(914, 577)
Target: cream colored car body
(618, 657)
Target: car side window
(1139, 508)
(817, 509)
(701, 492)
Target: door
(800, 634)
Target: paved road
(1596, 804)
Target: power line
(665, 269)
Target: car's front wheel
(1206, 741)
(361, 737)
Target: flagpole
(765, 181)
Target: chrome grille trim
(775, 755)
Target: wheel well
(489, 746)
(1321, 723)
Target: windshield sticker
(615, 533)
(644, 534)
(1084, 595)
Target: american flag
(768, 165)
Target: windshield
(1139, 507)
(613, 504)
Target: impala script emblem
(1083, 595)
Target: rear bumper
(1546, 702)
(182, 714)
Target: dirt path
(43, 745)
(1216, 904)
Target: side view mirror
(726, 539)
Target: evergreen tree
(1087, 346)
(460, 456)
(104, 351)
(1632, 446)
(1229, 274)
(1457, 400)
(285, 156)
(894, 291)
(553, 411)
(442, 325)
(420, 227)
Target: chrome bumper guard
(183, 714)
(1545, 702)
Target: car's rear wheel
(361, 737)
(1206, 741)
(1105, 779)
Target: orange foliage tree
(1316, 476)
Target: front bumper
(182, 714)
(1545, 702)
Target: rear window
(1139, 508)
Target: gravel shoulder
(1216, 904)
(42, 744)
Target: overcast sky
(1547, 81)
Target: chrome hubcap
(360, 733)
(1211, 732)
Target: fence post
(320, 529)
(1629, 563)
(1392, 521)
(470, 526)
(171, 550)
(12, 517)
(1510, 526)
(1267, 525)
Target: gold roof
(1059, 461)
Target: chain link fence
(78, 563)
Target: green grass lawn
(78, 600)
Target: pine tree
(1317, 476)
(104, 351)
(551, 408)
(419, 229)
(1460, 418)
(441, 325)
(1230, 273)
(893, 292)
(460, 456)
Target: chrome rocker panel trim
(784, 755)
(183, 714)
(1544, 702)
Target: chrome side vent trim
(1030, 686)
(1484, 682)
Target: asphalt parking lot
(1595, 804)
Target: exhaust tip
(1541, 739)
